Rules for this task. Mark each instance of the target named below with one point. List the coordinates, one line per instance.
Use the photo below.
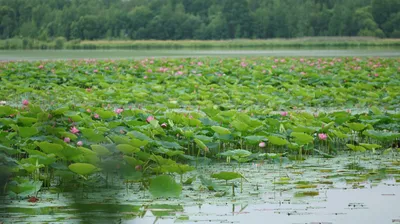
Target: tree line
(197, 19)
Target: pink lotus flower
(284, 113)
(179, 73)
(162, 69)
(67, 140)
(118, 110)
(41, 66)
(80, 143)
(74, 130)
(150, 118)
(243, 64)
(95, 71)
(145, 77)
(199, 63)
(149, 71)
(322, 136)
(163, 125)
(262, 144)
(25, 102)
(88, 110)
(376, 75)
(96, 116)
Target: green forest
(197, 19)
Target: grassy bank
(60, 43)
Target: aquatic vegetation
(92, 125)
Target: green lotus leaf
(220, 130)
(100, 150)
(356, 147)
(127, 149)
(27, 120)
(200, 144)
(50, 147)
(83, 168)
(27, 132)
(302, 138)
(277, 140)
(356, 126)
(226, 175)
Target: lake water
(142, 53)
(344, 195)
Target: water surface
(140, 53)
(368, 193)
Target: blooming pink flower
(67, 140)
(284, 113)
(118, 110)
(262, 144)
(41, 66)
(150, 118)
(243, 64)
(162, 69)
(145, 77)
(96, 116)
(199, 63)
(149, 71)
(74, 130)
(88, 110)
(163, 125)
(95, 71)
(80, 143)
(322, 136)
(376, 75)
(25, 102)
(179, 73)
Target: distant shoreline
(61, 43)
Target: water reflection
(274, 194)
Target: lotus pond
(200, 140)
